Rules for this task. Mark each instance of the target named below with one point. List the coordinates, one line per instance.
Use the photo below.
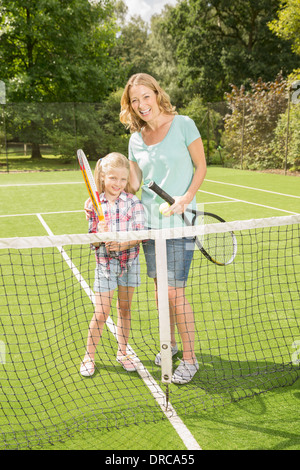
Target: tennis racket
(219, 248)
(90, 184)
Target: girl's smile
(115, 181)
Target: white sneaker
(87, 368)
(157, 360)
(185, 372)
(128, 362)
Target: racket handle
(160, 192)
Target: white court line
(157, 393)
(38, 184)
(215, 202)
(247, 202)
(41, 213)
(254, 189)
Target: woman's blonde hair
(105, 164)
(127, 115)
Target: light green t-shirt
(169, 164)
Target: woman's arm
(196, 150)
(135, 177)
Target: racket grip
(160, 192)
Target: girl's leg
(102, 310)
(125, 295)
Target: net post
(163, 310)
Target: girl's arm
(138, 223)
(120, 246)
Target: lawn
(246, 324)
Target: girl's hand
(102, 227)
(113, 246)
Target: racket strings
(221, 247)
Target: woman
(167, 148)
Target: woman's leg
(172, 317)
(183, 317)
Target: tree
(251, 125)
(219, 42)
(209, 122)
(286, 143)
(131, 48)
(195, 48)
(287, 24)
(56, 50)
(163, 60)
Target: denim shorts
(130, 278)
(179, 257)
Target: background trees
(57, 51)
(219, 42)
(81, 52)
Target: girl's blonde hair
(105, 164)
(127, 115)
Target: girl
(117, 262)
(167, 148)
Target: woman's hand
(179, 206)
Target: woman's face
(144, 103)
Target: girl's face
(115, 181)
(144, 103)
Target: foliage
(286, 144)
(57, 51)
(163, 59)
(115, 138)
(76, 55)
(251, 125)
(291, 148)
(219, 42)
(65, 127)
(208, 120)
(287, 25)
(131, 48)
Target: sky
(146, 8)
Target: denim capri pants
(180, 253)
(130, 278)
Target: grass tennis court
(268, 421)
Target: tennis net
(246, 327)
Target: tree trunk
(36, 152)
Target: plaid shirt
(125, 215)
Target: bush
(250, 127)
